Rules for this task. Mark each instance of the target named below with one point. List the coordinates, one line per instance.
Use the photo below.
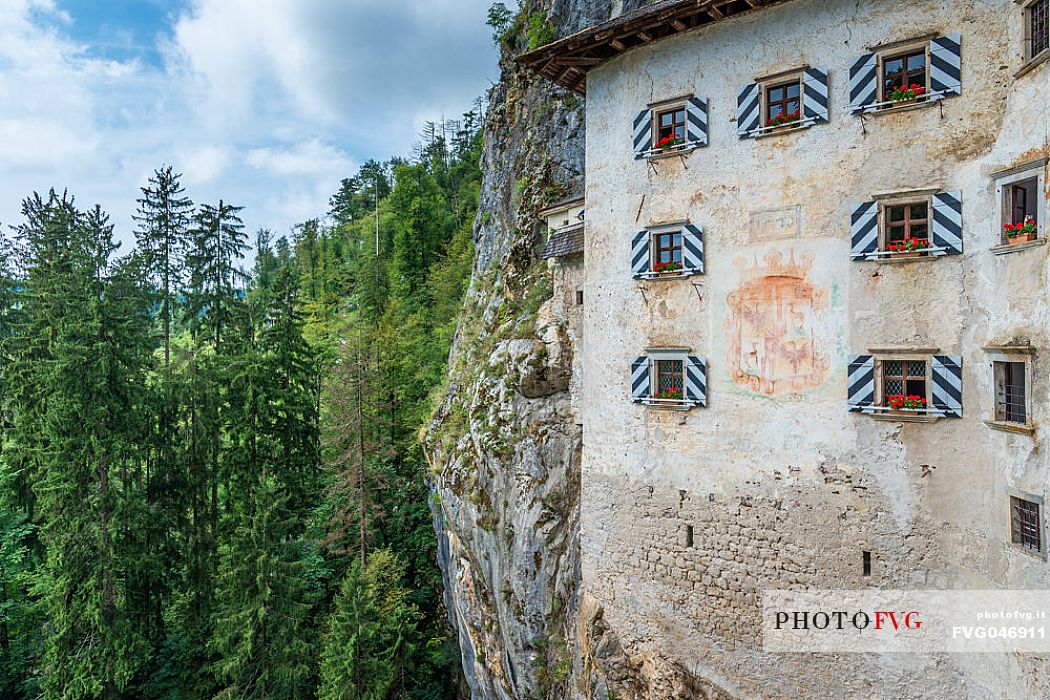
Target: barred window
(1011, 393)
(1038, 27)
(1025, 527)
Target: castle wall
(782, 486)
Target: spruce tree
(219, 243)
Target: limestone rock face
(504, 446)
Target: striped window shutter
(861, 383)
(815, 86)
(865, 231)
(640, 254)
(696, 129)
(947, 223)
(696, 380)
(640, 379)
(748, 111)
(693, 248)
(643, 133)
(863, 84)
(946, 64)
(947, 385)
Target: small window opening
(667, 251)
(689, 536)
(1025, 529)
(1038, 27)
(867, 562)
(579, 297)
(670, 375)
(902, 71)
(1021, 206)
(907, 227)
(670, 124)
(904, 381)
(783, 102)
(1011, 404)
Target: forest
(211, 477)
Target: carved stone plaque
(776, 224)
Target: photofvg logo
(906, 621)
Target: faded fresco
(773, 342)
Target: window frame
(656, 109)
(671, 227)
(1015, 538)
(1027, 11)
(1005, 408)
(1021, 354)
(1034, 170)
(884, 222)
(881, 396)
(782, 81)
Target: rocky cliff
(504, 445)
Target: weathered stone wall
(782, 486)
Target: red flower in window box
(670, 394)
(900, 402)
(909, 247)
(907, 93)
(663, 267)
(669, 142)
(1021, 233)
(785, 119)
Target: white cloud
(267, 104)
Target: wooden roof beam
(645, 36)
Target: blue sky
(266, 103)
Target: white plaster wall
(783, 447)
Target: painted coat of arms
(772, 346)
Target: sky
(267, 104)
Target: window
(667, 251)
(579, 297)
(1037, 28)
(670, 376)
(783, 104)
(1011, 400)
(904, 70)
(671, 124)
(904, 384)
(1023, 209)
(907, 227)
(1025, 524)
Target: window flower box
(901, 403)
(670, 394)
(667, 269)
(669, 143)
(785, 120)
(1021, 233)
(906, 95)
(909, 247)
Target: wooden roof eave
(567, 61)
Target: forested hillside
(211, 481)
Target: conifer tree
(163, 238)
(219, 243)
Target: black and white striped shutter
(947, 385)
(640, 379)
(815, 87)
(861, 383)
(696, 128)
(643, 133)
(640, 254)
(693, 248)
(863, 84)
(947, 223)
(946, 65)
(748, 111)
(696, 380)
(864, 241)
